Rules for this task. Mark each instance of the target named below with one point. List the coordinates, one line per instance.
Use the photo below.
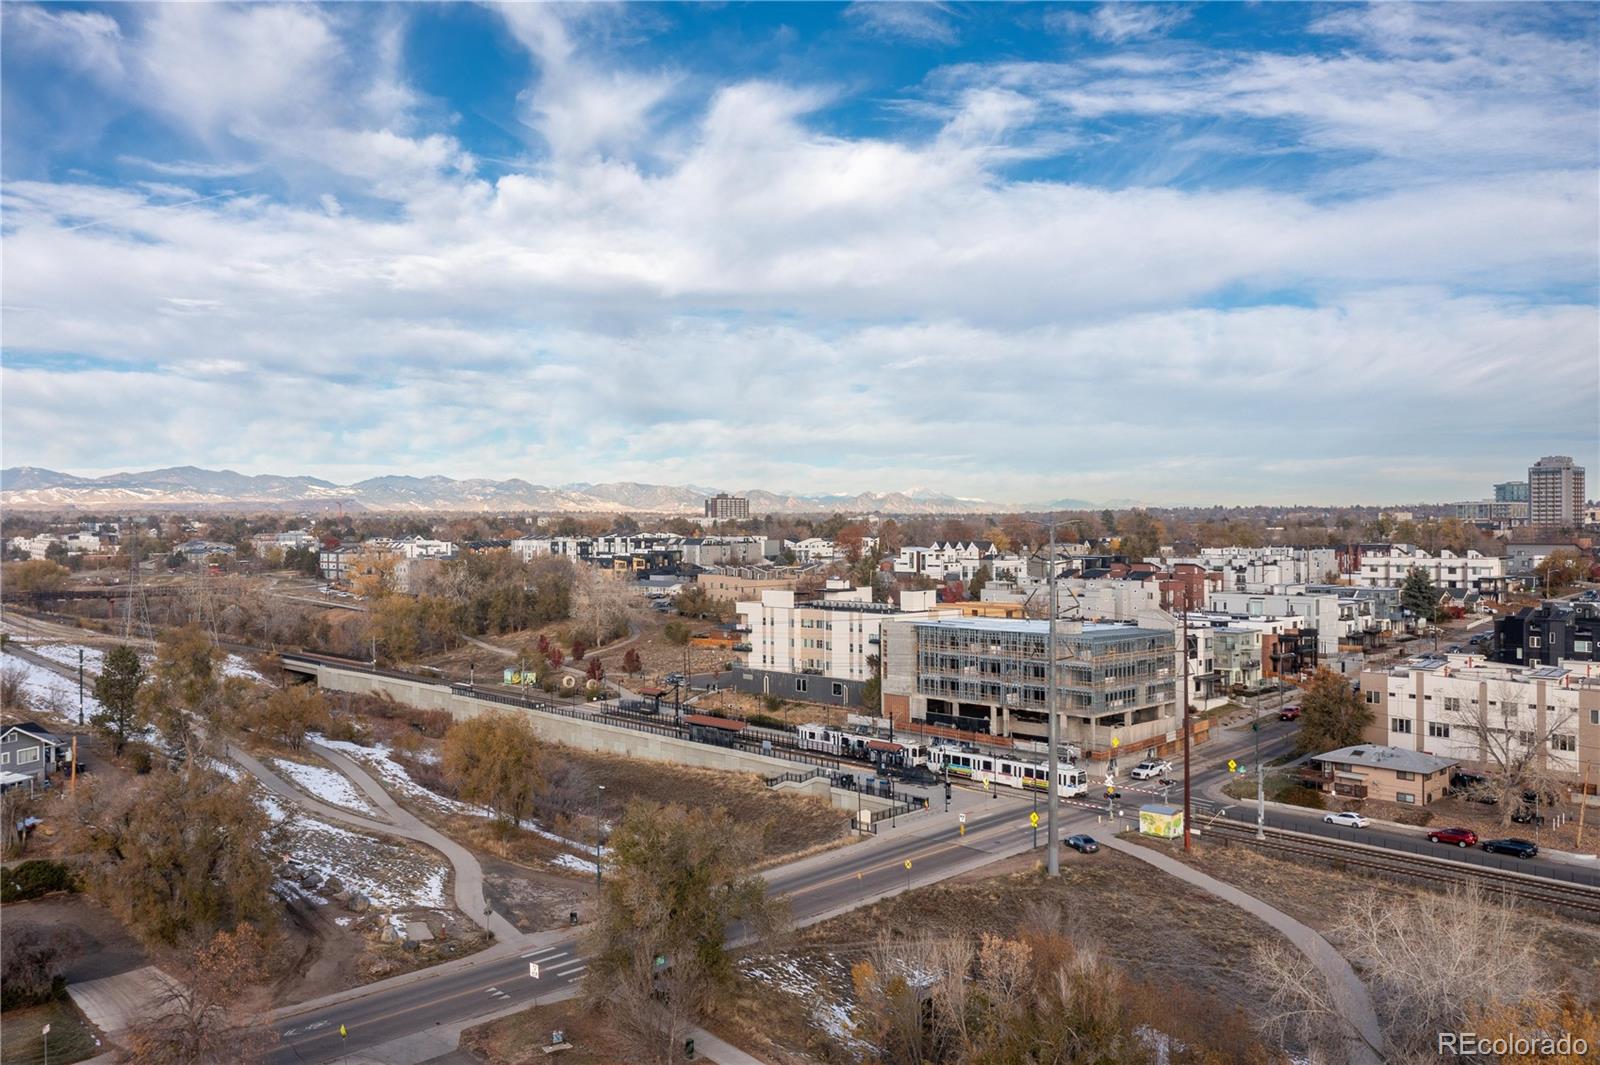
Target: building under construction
(989, 675)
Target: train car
(823, 738)
(967, 763)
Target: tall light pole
(1053, 843)
(599, 829)
(1185, 655)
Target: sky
(1175, 253)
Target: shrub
(766, 721)
(139, 760)
(33, 878)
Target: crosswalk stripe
(535, 955)
(580, 970)
(571, 969)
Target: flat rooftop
(1092, 630)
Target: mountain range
(189, 487)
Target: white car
(1349, 819)
(1152, 768)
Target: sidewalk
(1364, 1046)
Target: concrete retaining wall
(582, 733)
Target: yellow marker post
(343, 1033)
(1233, 767)
(1033, 819)
(908, 874)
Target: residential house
(1374, 771)
(32, 750)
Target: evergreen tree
(118, 693)
(1419, 596)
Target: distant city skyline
(1177, 254)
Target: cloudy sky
(1278, 252)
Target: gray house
(28, 750)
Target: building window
(1563, 741)
(838, 689)
(1534, 641)
(1438, 730)
(1452, 704)
(1400, 724)
(1401, 774)
(1374, 697)
(1404, 796)
(1594, 717)
(800, 684)
(28, 754)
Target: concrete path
(114, 1003)
(468, 872)
(1364, 1044)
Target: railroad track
(1578, 898)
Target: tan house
(1391, 774)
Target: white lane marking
(571, 969)
(536, 955)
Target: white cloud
(1119, 22)
(775, 303)
(87, 40)
(924, 23)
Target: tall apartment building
(1555, 491)
(990, 675)
(1453, 705)
(819, 649)
(723, 507)
(1511, 492)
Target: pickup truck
(1151, 768)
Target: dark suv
(1461, 837)
(1517, 848)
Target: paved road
(816, 887)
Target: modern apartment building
(1554, 631)
(1511, 492)
(723, 507)
(1265, 569)
(1555, 492)
(1387, 565)
(818, 649)
(990, 675)
(1465, 706)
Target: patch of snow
(50, 692)
(343, 922)
(235, 666)
(67, 655)
(324, 783)
(227, 769)
(572, 861)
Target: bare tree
(14, 688)
(206, 1014)
(1513, 741)
(1431, 964)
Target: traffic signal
(688, 1048)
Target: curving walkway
(1364, 1043)
(468, 878)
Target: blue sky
(1179, 253)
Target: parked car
(1151, 767)
(1461, 837)
(1525, 816)
(1517, 848)
(1348, 818)
(1083, 844)
(1289, 713)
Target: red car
(1461, 837)
(1289, 713)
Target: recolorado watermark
(1471, 1044)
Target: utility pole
(1185, 655)
(80, 688)
(599, 828)
(1261, 787)
(1053, 842)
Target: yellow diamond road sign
(1033, 819)
(908, 863)
(1116, 741)
(1233, 766)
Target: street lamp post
(1053, 841)
(599, 829)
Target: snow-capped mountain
(32, 488)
